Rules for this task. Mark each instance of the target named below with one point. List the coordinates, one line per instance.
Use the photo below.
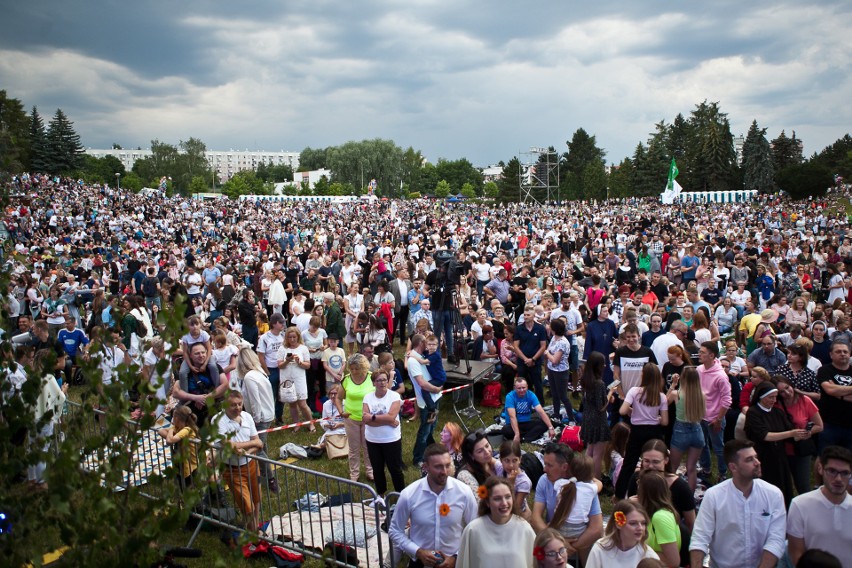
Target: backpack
(491, 395)
(532, 466)
(149, 287)
(141, 330)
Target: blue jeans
(716, 440)
(275, 381)
(424, 434)
(443, 320)
(687, 435)
(835, 436)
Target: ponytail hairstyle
(582, 470)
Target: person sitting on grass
(520, 405)
(435, 365)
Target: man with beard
(438, 507)
(821, 518)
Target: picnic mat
(150, 456)
(341, 524)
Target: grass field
(208, 539)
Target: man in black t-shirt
(835, 404)
(630, 358)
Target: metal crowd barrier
(311, 513)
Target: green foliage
(102, 170)
(805, 180)
(758, 168)
(14, 135)
(574, 168)
(180, 163)
(458, 173)
(313, 159)
(490, 189)
(509, 186)
(275, 174)
(356, 163)
(468, 191)
(198, 185)
(442, 190)
(38, 143)
(81, 509)
(619, 179)
(786, 151)
(132, 182)
(838, 157)
(63, 145)
(245, 182)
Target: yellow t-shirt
(354, 401)
(189, 450)
(749, 323)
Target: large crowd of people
(670, 335)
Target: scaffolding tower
(539, 174)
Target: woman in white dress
(353, 304)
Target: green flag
(672, 175)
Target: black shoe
(452, 359)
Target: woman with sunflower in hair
(498, 538)
(623, 544)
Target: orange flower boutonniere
(444, 509)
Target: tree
(459, 172)
(245, 182)
(280, 173)
(313, 159)
(490, 189)
(38, 143)
(413, 164)
(132, 182)
(100, 525)
(582, 150)
(805, 180)
(710, 161)
(198, 185)
(786, 151)
(509, 185)
(619, 181)
(758, 169)
(102, 170)
(14, 134)
(442, 190)
(191, 162)
(468, 191)
(357, 163)
(838, 157)
(594, 181)
(63, 143)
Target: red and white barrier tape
(309, 422)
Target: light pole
(118, 180)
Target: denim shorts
(686, 436)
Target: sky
(479, 80)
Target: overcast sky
(482, 80)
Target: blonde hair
(694, 406)
(359, 363)
(247, 360)
(293, 329)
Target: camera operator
(440, 284)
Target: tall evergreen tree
(758, 169)
(710, 160)
(63, 143)
(620, 179)
(786, 151)
(14, 134)
(38, 143)
(509, 184)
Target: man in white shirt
(267, 350)
(742, 520)
(821, 518)
(439, 506)
(420, 378)
(240, 472)
(675, 336)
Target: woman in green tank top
(350, 404)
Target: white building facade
(224, 163)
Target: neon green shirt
(354, 401)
